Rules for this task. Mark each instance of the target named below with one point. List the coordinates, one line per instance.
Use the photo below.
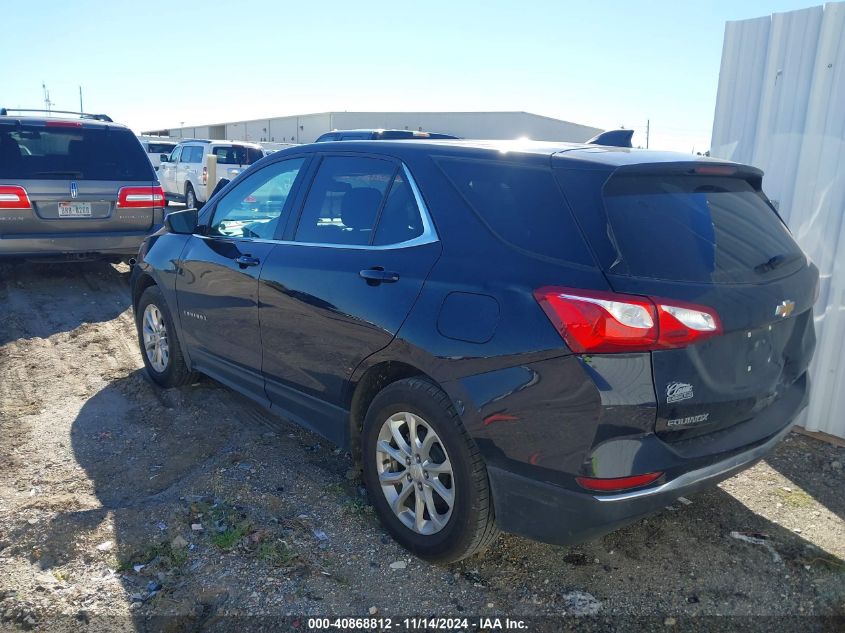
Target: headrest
(359, 207)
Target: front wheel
(159, 344)
(426, 478)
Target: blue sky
(155, 64)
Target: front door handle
(378, 275)
(247, 260)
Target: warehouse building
(305, 128)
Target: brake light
(135, 197)
(618, 483)
(13, 197)
(205, 175)
(63, 124)
(714, 170)
(593, 321)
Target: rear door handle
(247, 260)
(378, 275)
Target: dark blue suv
(551, 340)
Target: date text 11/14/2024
(416, 624)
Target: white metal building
(781, 107)
(305, 128)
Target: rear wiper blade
(72, 174)
(774, 262)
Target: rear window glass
(237, 155)
(522, 205)
(38, 152)
(160, 148)
(695, 229)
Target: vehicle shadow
(91, 292)
(154, 457)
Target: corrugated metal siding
(781, 107)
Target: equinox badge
(785, 308)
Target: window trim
(428, 236)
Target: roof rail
(81, 115)
(613, 138)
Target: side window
(400, 219)
(520, 204)
(344, 200)
(192, 154)
(174, 155)
(225, 155)
(256, 205)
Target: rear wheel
(426, 478)
(159, 344)
(190, 197)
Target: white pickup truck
(184, 174)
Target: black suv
(546, 339)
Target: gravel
(91, 453)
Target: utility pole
(47, 102)
(80, 99)
(647, 131)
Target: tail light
(205, 175)
(13, 197)
(599, 321)
(135, 197)
(617, 484)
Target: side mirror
(165, 158)
(182, 222)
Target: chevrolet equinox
(546, 339)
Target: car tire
(159, 342)
(441, 532)
(191, 201)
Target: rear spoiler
(613, 138)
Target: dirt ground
(125, 507)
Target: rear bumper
(546, 512)
(118, 244)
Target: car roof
(86, 122)
(209, 142)
(556, 150)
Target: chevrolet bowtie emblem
(785, 308)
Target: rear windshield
(237, 155)
(160, 148)
(695, 229)
(31, 152)
(521, 204)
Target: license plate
(74, 209)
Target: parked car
(380, 135)
(550, 340)
(184, 174)
(78, 187)
(156, 148)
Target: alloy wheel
(155, 338)
(415, 473)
